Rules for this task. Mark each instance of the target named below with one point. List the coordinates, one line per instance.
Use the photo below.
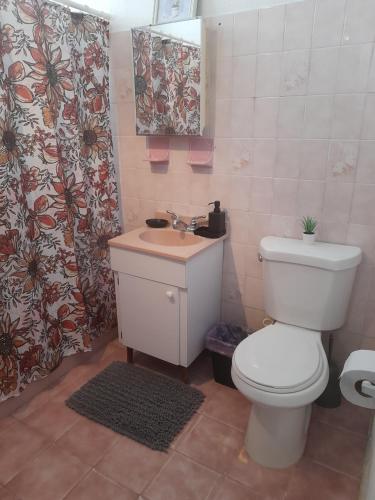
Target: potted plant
(309, 225)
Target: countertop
(132, 241)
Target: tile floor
(48, 452)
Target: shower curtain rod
(83, 8)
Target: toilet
(283, 368)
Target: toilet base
(276, 437)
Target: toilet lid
(280, 358)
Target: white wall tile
(347, 116)
(245, 33)
(224, 36)
(329, 22)
(294, 75)
(314, 156)
(360, 21)
(310, 198)
(363, 236)
(268, 75)
(368, 129)
(363, 204)
(234, 258)
(233, 287)
(337, 201)
(223, 124)
(271, 29)
(238, 226)
(285, 192)
(253, 296)
(265, 120)
(259, 227)
(371, 78)
(332, 232)
(241, 157)
(288, 159)
(264, 157)
(291, 116)
(298, 25)
(318, 117)
(253, 267)
(353, 68)
(242, 117)
(285, 226)
(342, 160)
(224, 78)
(366, 163)
(261, 195)
(200, 183)
(244, 70)
(323, 70)
(239, 192)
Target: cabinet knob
(169, 294)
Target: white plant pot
(308, 238)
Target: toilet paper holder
(365, 388)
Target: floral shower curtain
(167, 85)
(58, 195)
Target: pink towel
(200, 151)
(157, 149)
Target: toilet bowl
(283, 368)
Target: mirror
(169, 78)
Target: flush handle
(260, 258)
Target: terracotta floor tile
(18, 445)
(192, 422)
(229, 406)
(6, 422)
(131, 464)
(182, 479)
(88, 441)
(94, 486)
(36, 402)
(340, 450)
(51, 475)
(312, 481)
(347, 416)
(52, 420)
(226, 489)
(5, 494)
(212, 443)
(269, 484)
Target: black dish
(204, 231)
(157, 222)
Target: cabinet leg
(184, 374)
(129, 354)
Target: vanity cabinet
(164, 306)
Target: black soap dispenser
(216, 220)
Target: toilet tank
(308, 285)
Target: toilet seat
(280, 359)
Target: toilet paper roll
(359, 366)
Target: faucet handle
(174, 216)
(194, 221)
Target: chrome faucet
(180, 225)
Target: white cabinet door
(149, 313)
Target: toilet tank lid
(329, 256)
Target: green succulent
(309, 224)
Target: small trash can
(221, 341)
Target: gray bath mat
(145, 406)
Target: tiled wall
(291, 105)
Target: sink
(170, 238)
